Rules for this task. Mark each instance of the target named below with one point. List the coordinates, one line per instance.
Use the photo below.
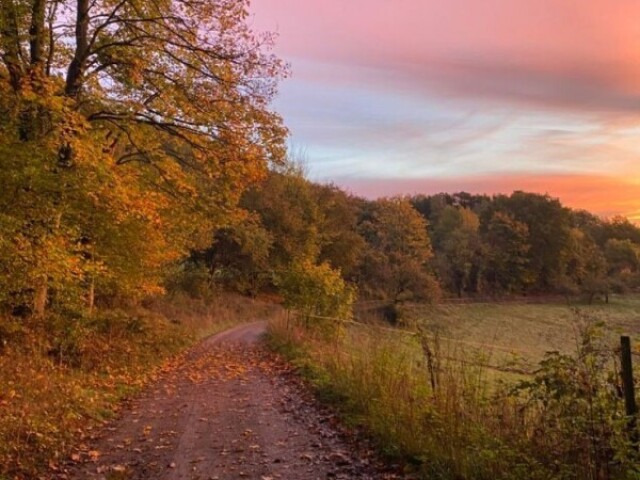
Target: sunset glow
(495, 96)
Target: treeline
(418, 248)
(528, 243)
(129, 143)
(382, 247)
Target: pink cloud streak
(565, 52)
(564, 75)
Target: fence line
(401, 331)
(481, 346)
(627, 380)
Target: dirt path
(227, 410)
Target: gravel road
(227, 409)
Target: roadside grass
(61, 379)
(379, 381)
(204, 317)
(453, 415)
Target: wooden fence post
(628, 387)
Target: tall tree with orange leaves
(129, 129)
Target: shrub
(573, 415)
(316, 290)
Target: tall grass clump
(443, 413)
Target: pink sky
(607, 195)
(465, 94)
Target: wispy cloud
(572, 53)
(415, 91)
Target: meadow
(518, 335)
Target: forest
(138, 150)
(422, 248)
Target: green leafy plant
(319, 294)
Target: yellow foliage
(137, 154)
(316, 290)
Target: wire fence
(485, 347)
(623, 354)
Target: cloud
(595, 88)
(573, 54)
(487, 96)
(354, 130)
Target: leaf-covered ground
(228, 409)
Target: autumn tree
(238, 258)
(129, 130)
(622, 255)
(395, 264)
(457, 248)
(316, 290)
(506, 254)
(549, 226)
(303, 221)
(287, 208)
(623, 263)
(586, 266)
(619, 228)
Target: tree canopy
(129, 130)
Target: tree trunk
(77, 65)
(92, 296)
(37, 34)
(10, 42)
(40, 296)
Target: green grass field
(520, 334)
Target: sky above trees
(408, 96)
